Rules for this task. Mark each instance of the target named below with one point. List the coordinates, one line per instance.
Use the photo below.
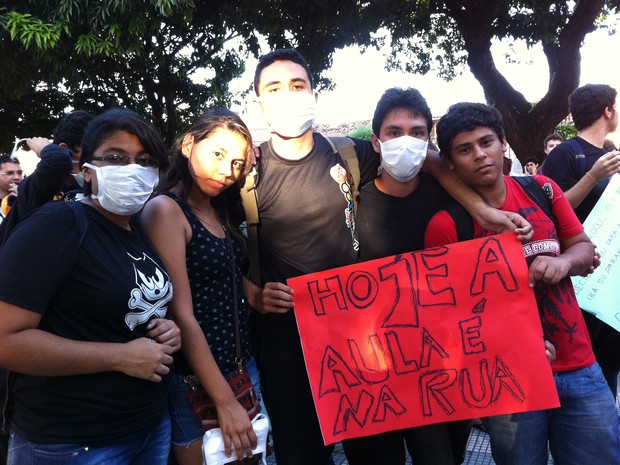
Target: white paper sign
(599, 293)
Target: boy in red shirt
(584, 429)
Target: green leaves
(90, 44)
(31, 31)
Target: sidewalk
(478, 448)
(478, 451)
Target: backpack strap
(537, 194)
(80, 218)
(580, 158)
(342, 146)
(345, 147)
(252, 221)
(465, 224)
(462, 220)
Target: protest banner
(437, 335)
(598, 293)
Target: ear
(504, 146)
(375, 143)
(316, 97)
(187, 145)
(87, 174)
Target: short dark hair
(7, 159)
(282, 54)
(551, 137)
(122, 119)
(410, 99)
(70, 129)
(532, 160)
(587, 103)
(466, 116)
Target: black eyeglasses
(118, 159)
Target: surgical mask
(289, 114)
(79, 178)
(124, 189)
(403, 157)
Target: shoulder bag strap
(233, 265)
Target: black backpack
(465, 223)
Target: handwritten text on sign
(598, 292)
(437, 335)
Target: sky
(361, 78)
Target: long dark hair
(228, 204)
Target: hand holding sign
(437, 335)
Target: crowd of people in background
(112, 295)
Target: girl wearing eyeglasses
(83, 301)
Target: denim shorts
(185, 425)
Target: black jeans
(286, 392)
(438, 444)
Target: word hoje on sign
(438, 335)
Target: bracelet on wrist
(592, 177)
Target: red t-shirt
(561, 317)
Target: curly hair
(463, 117)
(587, 103)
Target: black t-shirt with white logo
(107, 294)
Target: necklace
(214, 227)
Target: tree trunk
(526, 124)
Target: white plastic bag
(213, 443)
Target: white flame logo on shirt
(152, 295)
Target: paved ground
(478, 448)
(478, 451)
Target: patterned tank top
(210, 279)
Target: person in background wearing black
(582, 167)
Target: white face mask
(289, 114)
(124, 189)
(403, 157)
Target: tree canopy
(445, 35)
(91, 54)
(145, 54)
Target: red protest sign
(437, 335)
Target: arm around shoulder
(490, 218)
